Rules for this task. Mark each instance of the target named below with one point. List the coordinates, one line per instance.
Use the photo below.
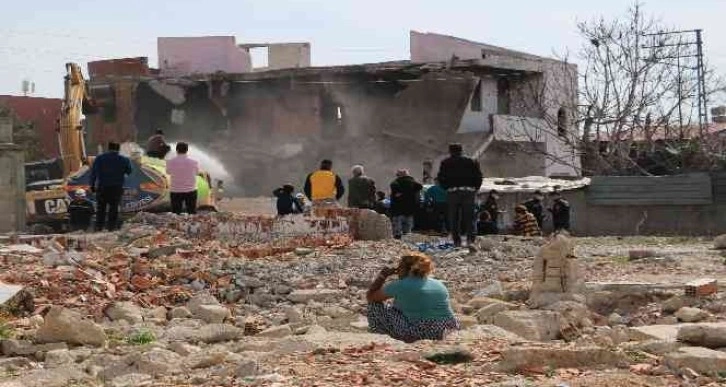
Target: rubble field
(166, 302)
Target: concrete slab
(630, 287)
(663, 332)
(8, 291)
(702, 360)
(655, 332)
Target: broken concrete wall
(430, 47)
(514, 159)
(12, 180)
(526, 86)
(115, 122)
(288, 55)
(482, 104)
(179, 56)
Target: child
(80, 211)
(486, 225)
(287, 203)
(382, 204)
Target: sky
(37, 37)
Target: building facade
(273, 125)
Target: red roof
(662, 133)
(43, 113)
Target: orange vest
(322, 185)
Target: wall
(480, 121)
(593, 220)
(560, 91)
(119, 67)
(43, 113)
(638, 213)
(668, 205)
(512, 159)
(644, 205)
(201, 55)
(288, 55)
(430, 47)
(116, 121)
(12, 181)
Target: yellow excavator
(146, 189)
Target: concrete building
(273, 125)
(524, 102)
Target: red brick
(701, 287)
(119, 67)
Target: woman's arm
(375, 290)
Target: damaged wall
(180, 56)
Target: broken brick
(701, 287)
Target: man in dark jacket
(382, 203)
(361, 189)
(287, 203)
(405, 201)
(462, 178)
(156, 146)
(560, 212)
(535, 206)
(108, 173)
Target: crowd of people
(452, 205)
(108, 173)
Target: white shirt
(183, 172)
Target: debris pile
(222, 299)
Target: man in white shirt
(183, 172)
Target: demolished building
(273, 125)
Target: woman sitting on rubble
(420, 308)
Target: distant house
(42, 113)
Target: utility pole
(702, 100)
(688, 48)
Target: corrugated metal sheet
(532, 183)
(691, 189)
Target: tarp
(531, 184)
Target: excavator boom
(70, 128)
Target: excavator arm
(70, 128)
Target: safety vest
(322, 185)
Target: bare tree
(637, 99)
